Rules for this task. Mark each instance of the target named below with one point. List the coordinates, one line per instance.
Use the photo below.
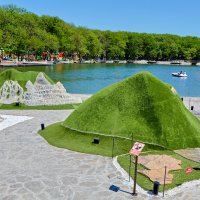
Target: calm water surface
(90, 78)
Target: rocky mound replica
(141, 105)
(42, 92)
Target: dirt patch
(155, 167)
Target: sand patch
(155, 165)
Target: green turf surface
(25, 107)
(61, 137)
(179, 175)
(21, 77)
(141, 105)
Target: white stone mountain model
(11, 92)
(39, 93)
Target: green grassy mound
(21, 77)
(141, 105)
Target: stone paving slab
(192, 154)
(10, 120)
(30, 168)
(194, 102)
(33, 169)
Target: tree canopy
(22, 31)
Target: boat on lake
(151, 61)
(179, 74)
(175, 62)
(35, 63)
(109, 61)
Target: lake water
(90, 78)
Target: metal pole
(132, 138)
(135, 176)
(130, 169)
(113, 147)
(164, 181)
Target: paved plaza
(30, 168)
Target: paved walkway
(32, 169)
(192, 104)
(193, 154)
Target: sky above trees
(23, 33)
(179, 17)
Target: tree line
(22, 32)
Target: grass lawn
(25, 107)
(59, 136)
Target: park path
(30, 168)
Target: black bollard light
(182, 98)
(192, 107)
(96, 141)
(42, 127)
(17, 103)
(155, 187)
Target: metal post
(132, 138)
(42, 127)
(164, 181)
(130, 169)
(113, 147)
(135, 176)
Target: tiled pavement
(30, 168)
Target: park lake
(90, 78)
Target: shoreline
(142, 62)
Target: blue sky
(180, 17)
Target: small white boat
(180, 74)
(109, 61)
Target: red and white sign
(189, 170)
(136, 149)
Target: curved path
(30, 168)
